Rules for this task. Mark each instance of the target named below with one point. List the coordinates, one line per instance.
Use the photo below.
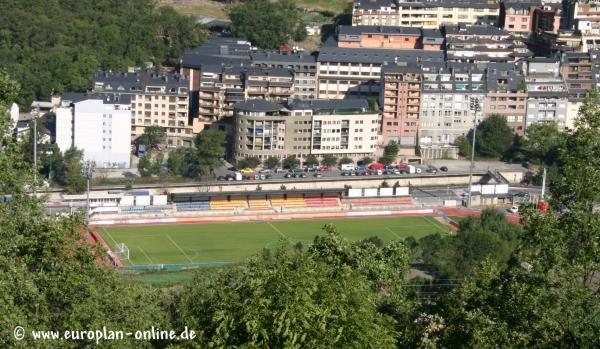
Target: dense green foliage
(390, 152)
(493, 138)
(272, 162)
(152, 136)
(251, 162)
(489, 237)
(55, 46)
(268, 24)
(290, 162)
(329, 160)
(345, 160)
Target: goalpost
(122, 251)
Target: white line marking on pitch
(277, 230)
(391, 231)
(110, 236)
(147, 257)
(173, 242)
(427, 219)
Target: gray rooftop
(329, 105)
(128, 83)
(376, 56)
(475, 30)
(258, 105)
(274, 56)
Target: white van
(348, 167)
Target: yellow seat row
(258, 204)
(290, 202)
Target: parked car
(345, 173)
(317, 175)
(514, 209)
(265, 171)
(444, 169)
(279, 170)
(229, 177)
(221, 178)
(260, 176)
(326, 169)
(431, 169)
(288, 175)
(247, 171)
(268, 176)
(251, 178)
(303, 175)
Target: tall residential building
(302, 127)
(400, 101)
(449, 91)
(428, 14)
(99, 125)
(411, 38)
(506, 95)
(356, 72)
(547, 92)
(156, 100)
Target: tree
(311, 160)
(345, 160)
(329, 314)
(390, 152)
(291, 162)
(329, 160)
(210, 150)
(268, 24)
(73, 178)
(176, 162)
(145, 166)
(272, 162)
(543, 143)
(152, 136)
(464, 146)
(65, 58)
(494, 137)
(251, 162)
(488, 237)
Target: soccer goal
(122, 251)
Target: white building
(100, 126)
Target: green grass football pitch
(232, 242)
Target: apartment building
(506, 95)
(400, 101)
(156, 100)
(482, 44)
(547, 18)
(429, 14)
(410, 38)
(586, 16)
(517, 17)
(97, 124)
(547, 92)
(449, 91)
(304, 67)
(356, 72)
(301, 127)
(577, 71)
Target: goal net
(122, 251)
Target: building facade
(100, 126)
(423, 13)
(547, 92)
(449, 91)
(156, 100)
(302, 127)
(409, 38)
(506, 95)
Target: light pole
(34, 114)
(475, 107)
(87, 170)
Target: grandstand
(326, 201)
(256, 204)
(144, 209)
(228, 203)
(193, 206)
(400, 201)
(288, 202)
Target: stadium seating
(259, 204)
(289, 202)
(322, 201)
(193, 206)
(380, 201)
(144, 209)
(224, 204)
